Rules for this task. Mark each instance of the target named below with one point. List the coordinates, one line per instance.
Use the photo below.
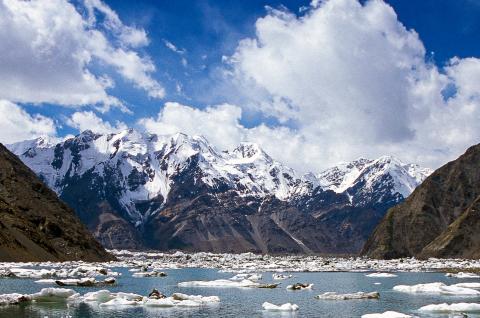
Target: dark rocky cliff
(439, 219)
(34, 224)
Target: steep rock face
(438, 219)
(138, 190)
(34, 224)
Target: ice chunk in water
(358, 295)
(381, 275)
(456, 307)
(285, 307)
(436, 288)
(387, 314)
(51, 295)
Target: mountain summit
(136, 190)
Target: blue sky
(199, 62)
(208, 30)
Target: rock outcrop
(34, 224)
(439, 219)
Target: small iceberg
(219, 283)
(149, 274)
(468, 285)
(281, 276)
(119, 302)
(181, 300)
(54, 295)
(456, 307)
(285, 307)
(381, 275)
(105, 298)
(462, 275)
(387, 314)
(13, 299)
(358, 295)
(300, 286)
(100, 296)
(252, 277)
(436, 288)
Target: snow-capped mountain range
(135, 178)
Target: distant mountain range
(136, 190)
(440, 219)
(34, 224)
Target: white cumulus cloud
(49, 48)
(17, 125)
(351, 80)
(88, 120)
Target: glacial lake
(246, 302)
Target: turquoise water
(238, 302)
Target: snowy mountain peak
(141, 167)
(403, 178)
(247, 153)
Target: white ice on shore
(285, 307)
(219, 283)
(381, 275)
(436, 288)
(456, 307)
(235, 263)
(83, 271)
(357, 295)
(387, 314)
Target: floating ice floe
(13, 299)
(149, 274)
(300, 286)
(387, 314)
(462, 275)
(381, 275)
(119, 302)
(468, 285)
(54, 295)
(456, 307)
(285, 307)
(219, 283)
(358, 295)
(81, 282)
(105, 298)
(436, 288)
(280, 276)
(243, 276)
